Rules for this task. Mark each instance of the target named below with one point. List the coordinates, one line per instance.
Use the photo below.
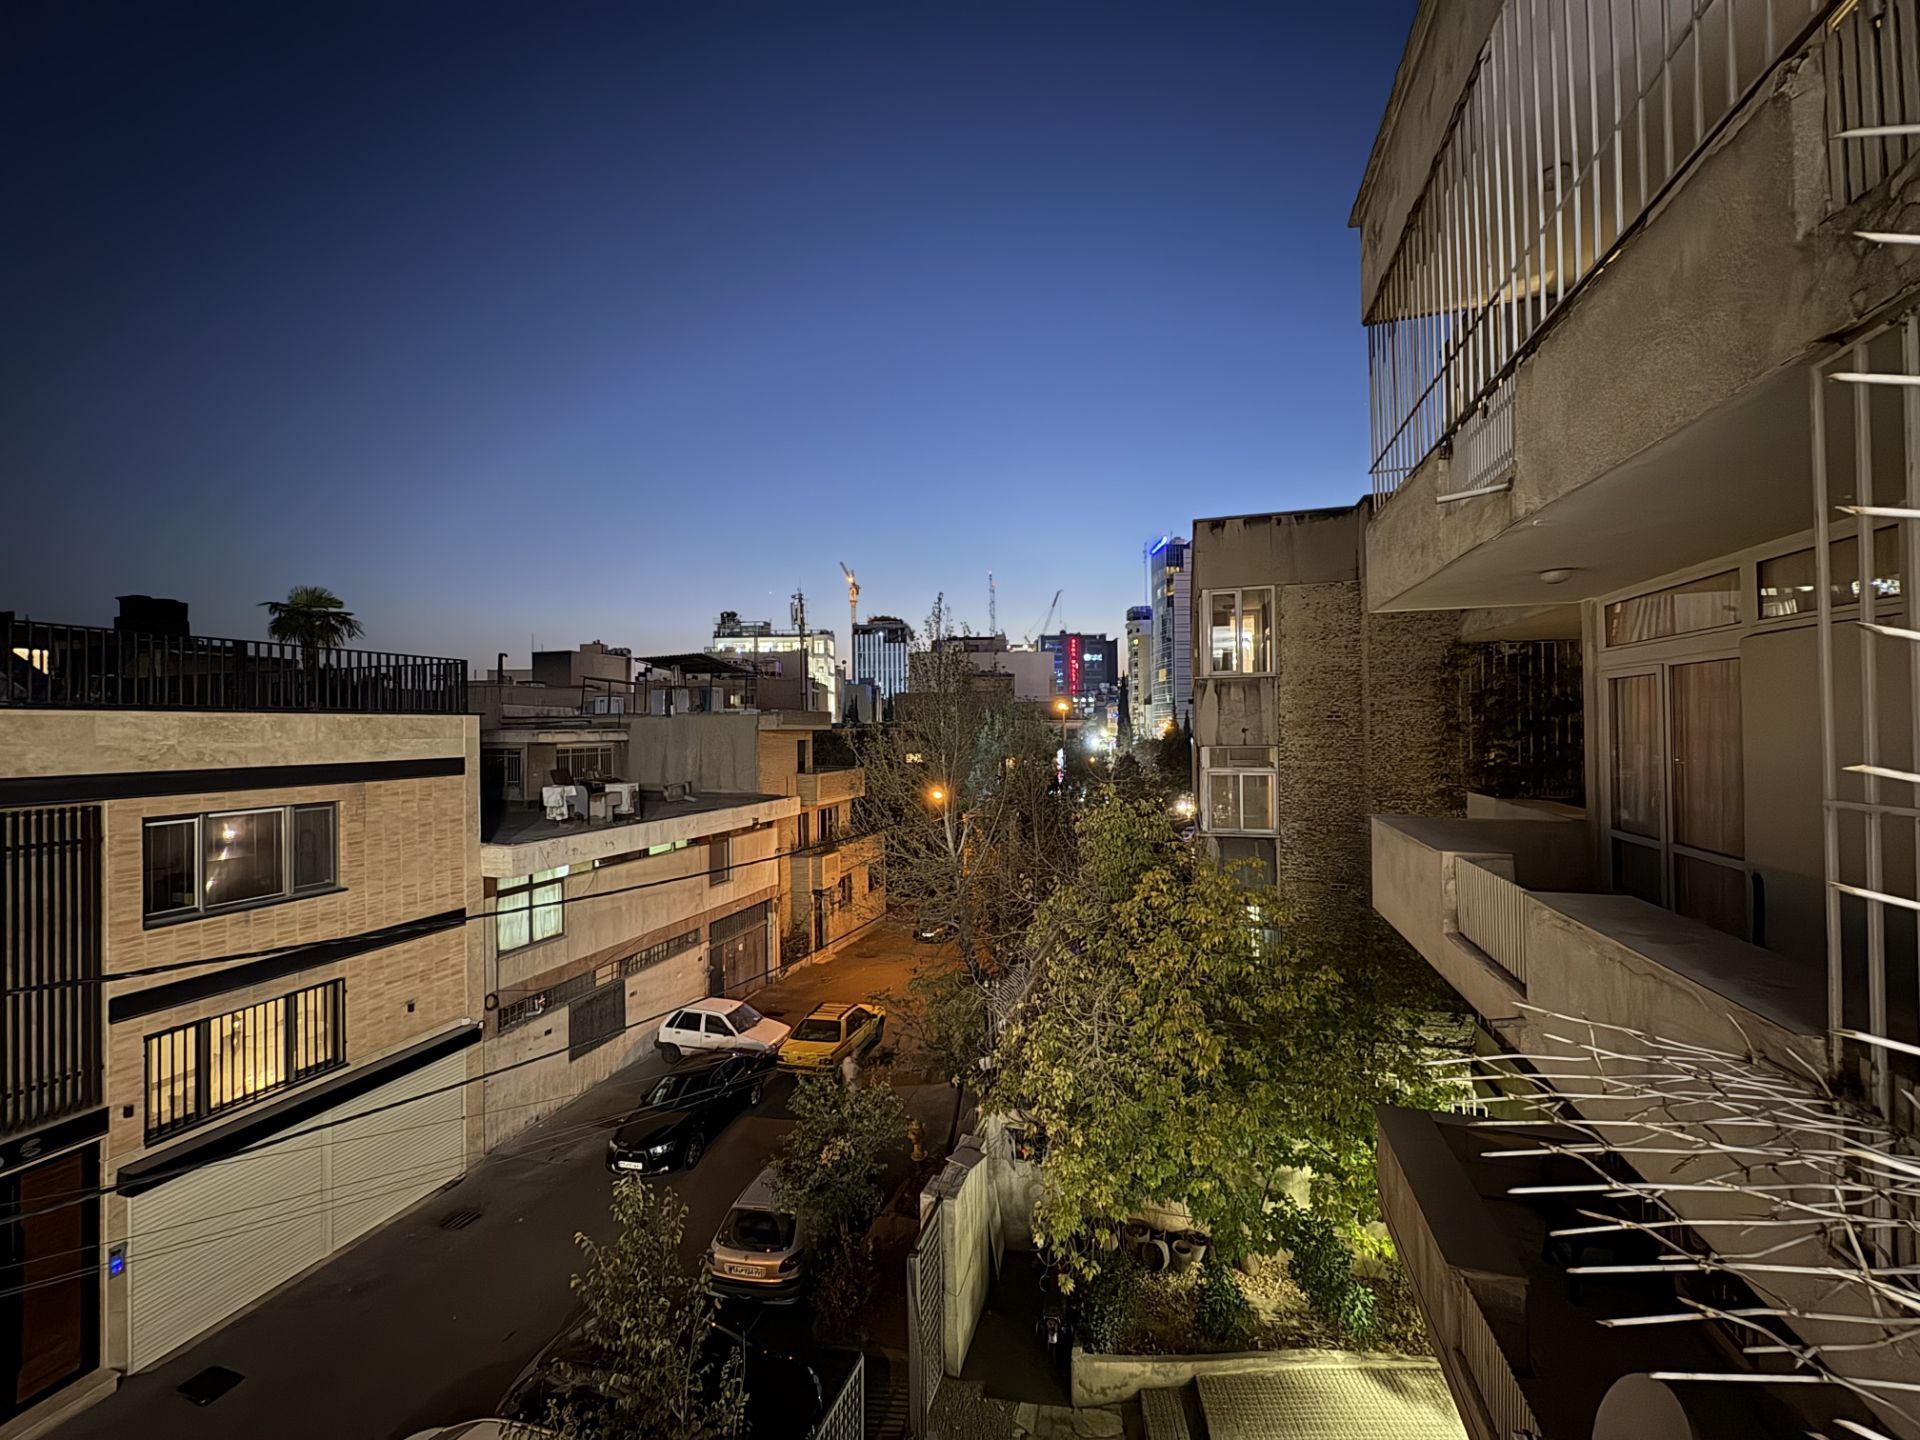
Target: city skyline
(474, 340)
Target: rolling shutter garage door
(205, 1245)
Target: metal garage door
(203, 1246)
(737, 951)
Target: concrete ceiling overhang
(1737, 477)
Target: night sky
(580, 322)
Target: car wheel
(753, 1095)
(696, 1147)
(670, 1053)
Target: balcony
(820, 866)
(1503, 911)
(84, 667)
(832, 786)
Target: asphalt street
(421, 1325)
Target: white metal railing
(1452, 1312)
(1872, 65)
(1580, 114)
(1492, 913)
(1483, 458)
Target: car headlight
(660, 1149)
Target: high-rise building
(744, 639)
(1139, 670)
(1169, 593)
(1085, 667)
(880, 647)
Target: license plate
(744, 1272)
(630, 1165)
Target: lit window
(198, 1071)
(200, 864)
(1237, 783)
(529, 908)
(1240, 632)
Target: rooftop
(525, 825)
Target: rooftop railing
(85, 667)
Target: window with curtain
(1789, 583)
(1240, 631)
(529, 908)
(1704, 604)
(1636, 760)
(1238, 783)
(201, 864)
(203, 1069)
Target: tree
(314, 618)
(650, 1325)
(963, 783)
(828, 1173)
(1190, 1039)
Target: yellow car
(831, 1033)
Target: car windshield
(757, 1230)
(818, 1029)
(676, 1088)
(745, 1018)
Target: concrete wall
(987, 1198)
(716, 752)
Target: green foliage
(650, 1324)
(945, 1012)
(1105, 1306)
(842, 1288)
(1221, 1312)
(1321, 1264)
(312, 617)
(1190, 1039)
(829, 1172)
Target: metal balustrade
(85, 667)
(1579, 116)
(1493, 915)
(1872, 64)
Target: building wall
(718, 753)
(406, 848)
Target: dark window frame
(197, 1110)
(197, 823)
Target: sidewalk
(419, 1325)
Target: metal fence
(1579, 116)
(1483, 460)
(1492, 913)
(1872, 64)
(926, 1318)
(50, 919)
(1523, 729)
(86, 667)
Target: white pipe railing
(1492, 914)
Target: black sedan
(686, 1109)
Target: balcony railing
(1873, 87)
(1493, 915)
(1580, 116)
(84, 667)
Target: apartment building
(752, 641)
(242, 1000)
(1643, 334)
(1139, 672)
(1311, 712)
(881, 644)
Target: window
(585, 760)
(873, 878)
(846, 891)
(595, 1019)
(529, 908)
(1240, 632)
(662, 951)
(719, 860)
(718, 1026)
(513, 759)
(202, 864)
(829, 826)
(1787, 582)
(198, 1071)
(1703, 604)
(1238, 787)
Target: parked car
(760, 1250)
(935, 934)
(832, 1032)
(687, 1109)
(481, 1430)
(785, 1393)
(717, 1024)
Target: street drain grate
(210, 1384)
(458, 1219)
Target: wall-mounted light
(1559, 575)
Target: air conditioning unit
(680, 790)
(606, 705)
(623, 794)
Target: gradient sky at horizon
(589, 321)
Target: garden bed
(1163, 1320)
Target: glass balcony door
(1676, 793)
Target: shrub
(1107, 1303)
(1221, 1313)
(842, 1289)
(1322, 1266)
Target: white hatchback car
(718, 1024)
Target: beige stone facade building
(1643, 304)
(242, 997)
(1310, 710)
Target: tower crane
(853, 593)
(1031, 634)
(993, 606)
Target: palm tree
(314, 618)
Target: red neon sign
(1073, 664)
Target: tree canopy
(1191, 1039)
(312, 617)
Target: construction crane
(1049, 617)
(993, 606)
(853, 593)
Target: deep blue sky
(580, 322)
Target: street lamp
(937, 795)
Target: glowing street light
(937, 795)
